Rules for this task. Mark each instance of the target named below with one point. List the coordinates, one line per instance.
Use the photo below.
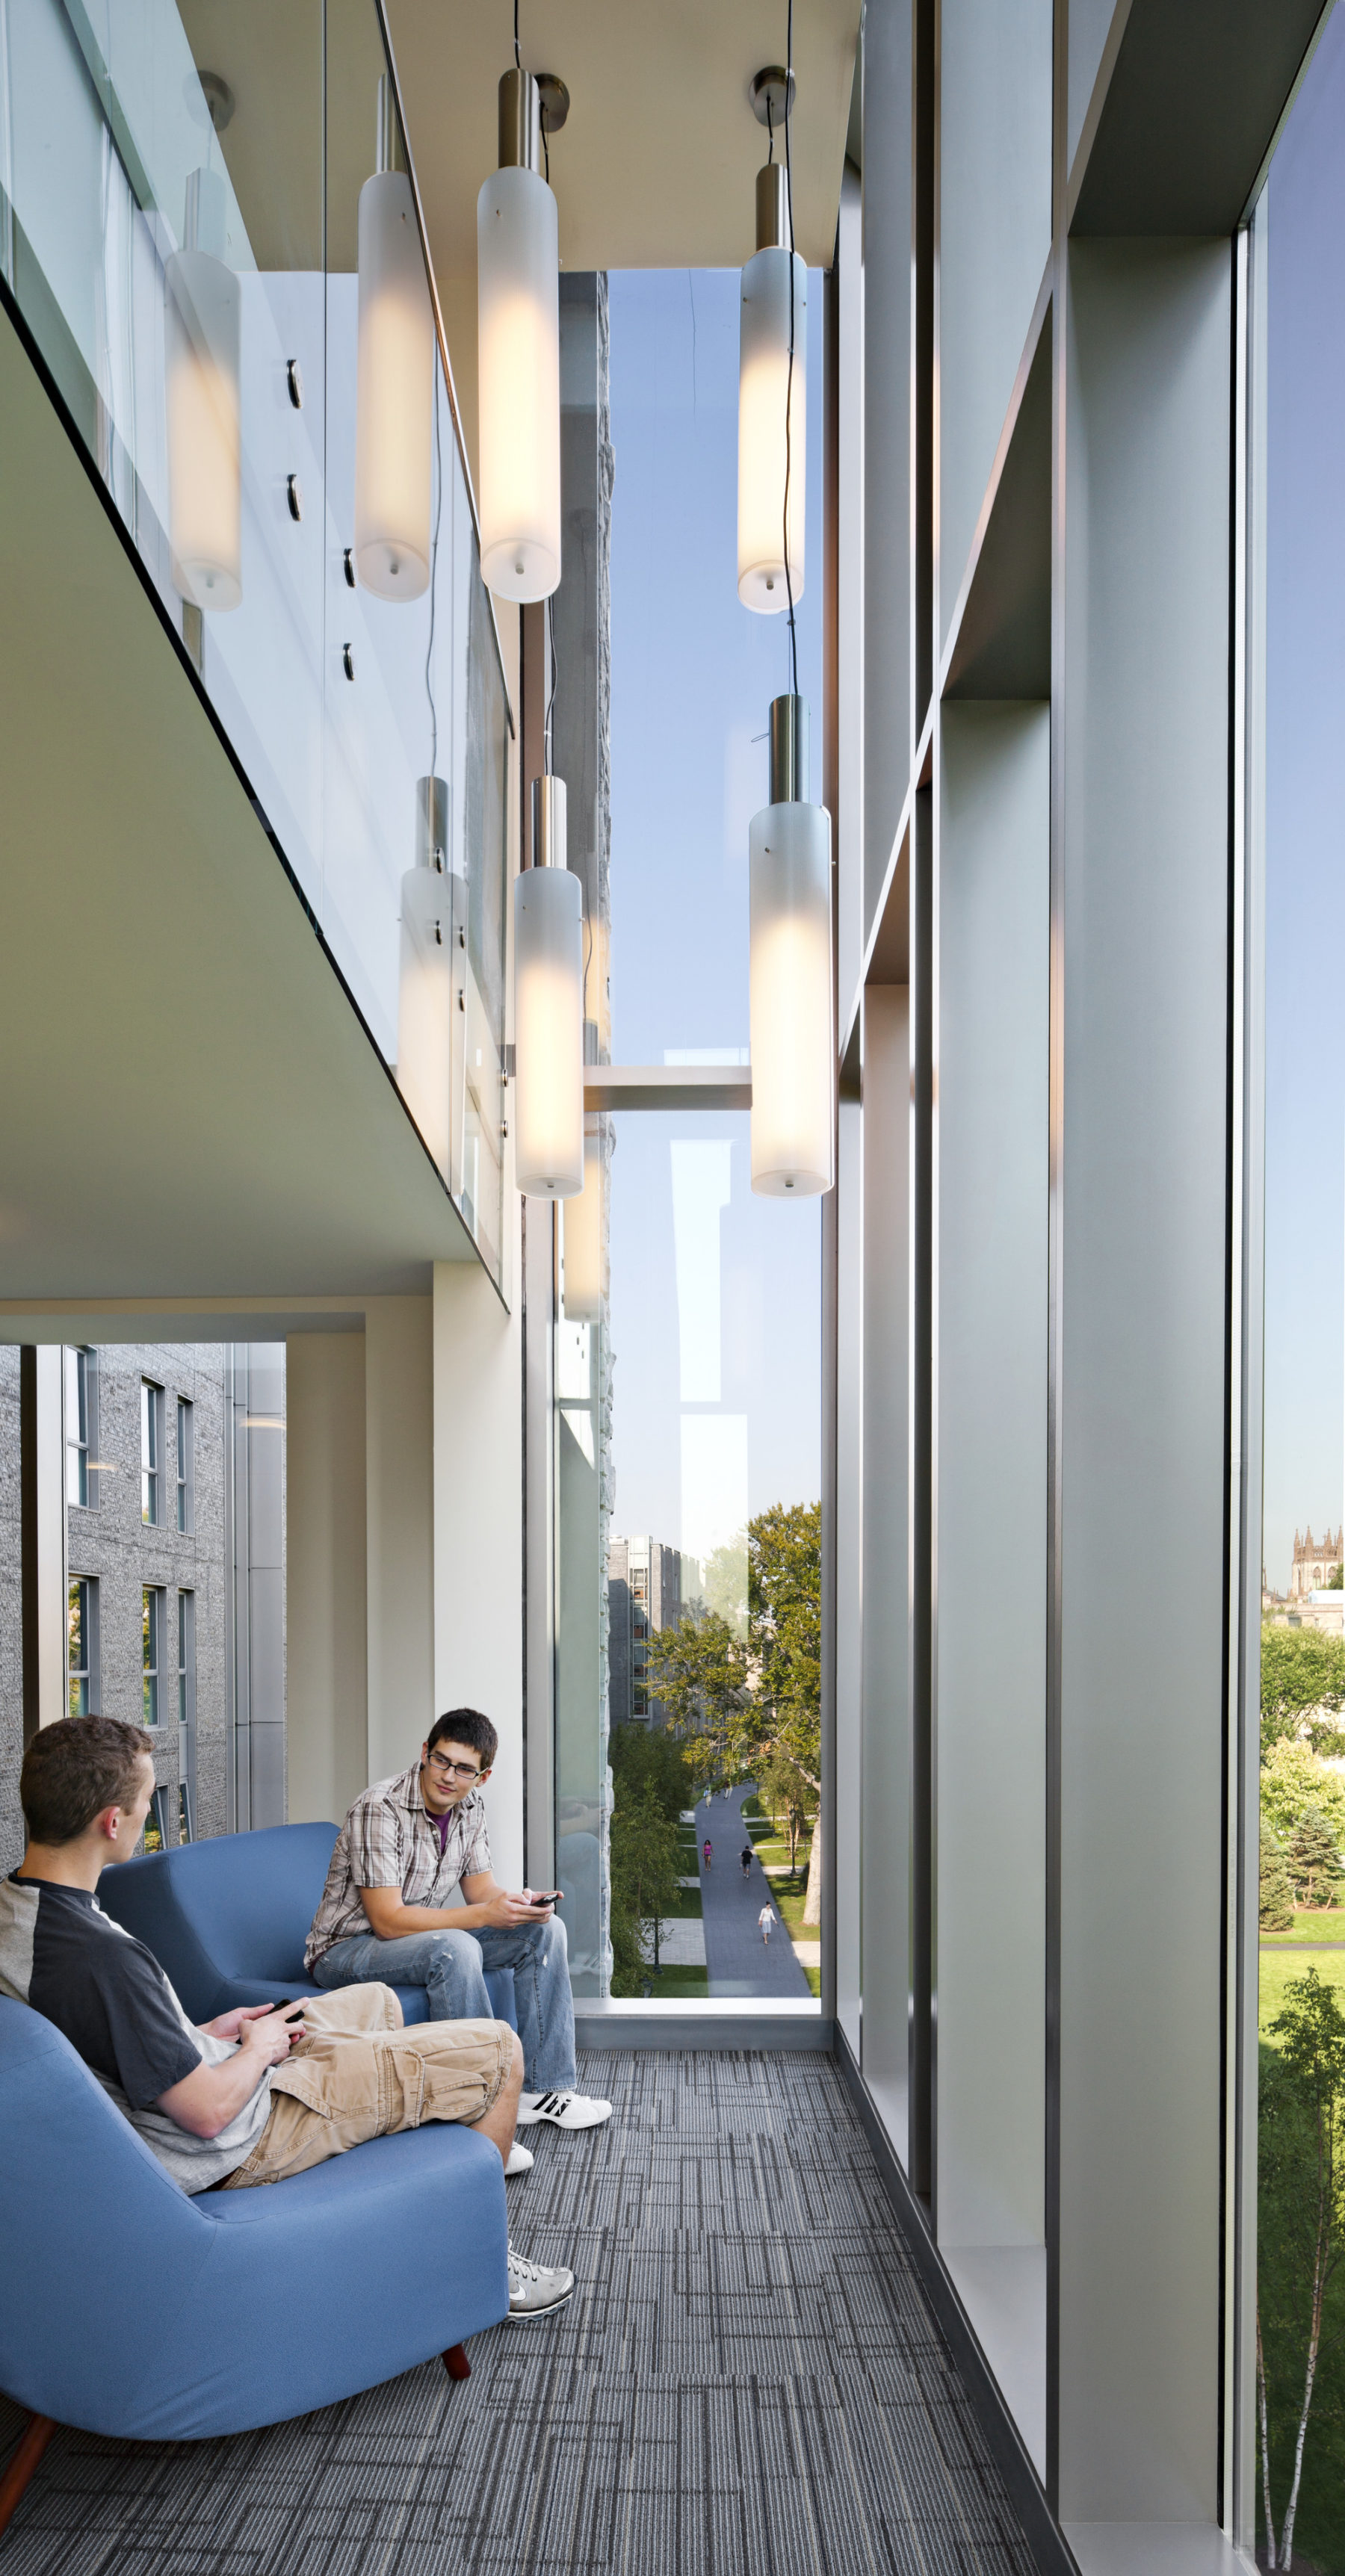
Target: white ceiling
(190, 1105)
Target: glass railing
(180, 201)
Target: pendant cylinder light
(582, 1240)
(394, 400)
(793, 1038)
(766, 389)
(548, 1009)
(518, 357)
(201, 355)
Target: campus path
(735, 1956)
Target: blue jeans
(451, 1967)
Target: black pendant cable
(789, 381)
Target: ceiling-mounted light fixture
(394, 399)
(772, 378)
(201, 379)
(518, 347)
(548, 1009)
(793, 1041)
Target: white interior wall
(994, 225)
(326, 1708)
(478, 1537)
(885, 1684)
(399, 1517)
(849, 1585)
(1144, 1149)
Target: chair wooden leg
(36, 2435)
(456, 2362)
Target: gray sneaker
(533, 2290)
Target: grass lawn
(1327, 1924)
(1278, 1967)
(790, 1894)
(675, 1982)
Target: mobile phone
(547, 1895)
(293, 2002)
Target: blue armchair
(228, 1919)
(232, 2309)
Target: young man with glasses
(403, 1849)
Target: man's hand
(205, 2101)
(504, 1913)
(229, 2025)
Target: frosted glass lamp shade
(548, 1034)
(201, 361)
(425, 1007)
(518, 361)
(394, 400)
(793, 1043)
(763, 381)
(582, 1237)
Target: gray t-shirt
(108, 1994)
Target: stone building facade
(1315, 1561)
(644, 1595)
(172, 1459)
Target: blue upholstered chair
(131, 2309)
(228, 1919)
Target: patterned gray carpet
(747, 2383)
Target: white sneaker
(564, 2110)
(519, 2161)
(533, 2290)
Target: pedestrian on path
(766, 1918)
(708, 1848)
(745, 1857)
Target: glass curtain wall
(180, 193)
(687, 1361)
(1298, 641)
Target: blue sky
(1305, 770)
(693, 674)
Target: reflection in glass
(202, 368)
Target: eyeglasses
(454, 1770)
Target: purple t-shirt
(443, 1823)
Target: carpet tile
(748, 2382)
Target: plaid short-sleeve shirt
(390, 1840)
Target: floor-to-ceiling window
(1299, 268)
(688, 1340)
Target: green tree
(789, 1799)
(745, 1704)
(648, 1757)
(643, 1882)
(1313, 1859)
(1302, 1687)
(1302, 2182)
(1294, 1778)
(699, 1671)
(726, 1583)
(1277, 1891)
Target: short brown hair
(465, 1726)
(76, 1768)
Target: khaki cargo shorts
(358, 2074)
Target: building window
(82, 1635)
(156, 1836)
(81, 1382)
(151, 1647)
(186, 1499)
(186, 1658)
(151, 1452)
(183, 1812)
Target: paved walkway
(738, 1961)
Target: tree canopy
(1302, 1687)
